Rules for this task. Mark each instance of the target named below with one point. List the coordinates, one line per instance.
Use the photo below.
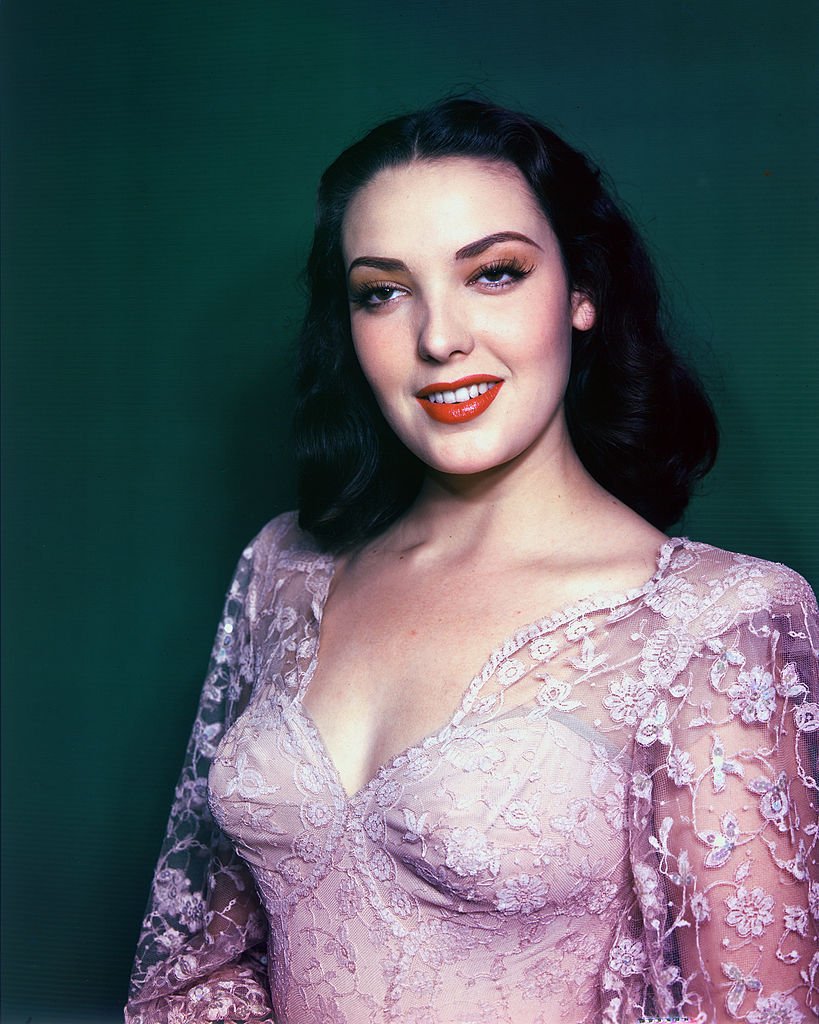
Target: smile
(459, 401)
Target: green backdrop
(160, 161)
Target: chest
(397, 655)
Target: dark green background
(160, 160)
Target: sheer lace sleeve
(201, 950)
(725, 811)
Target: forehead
(446, 203)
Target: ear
(583, 312)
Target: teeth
(462, 394)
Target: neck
(535, 505)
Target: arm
(201, 951)
(735, 803)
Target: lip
(459, 412)
(463, 382)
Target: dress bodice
(621, 775)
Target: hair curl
(638, 418)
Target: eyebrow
(379, 262)
(467, 252)
(482, 244)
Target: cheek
(376, 357)
(533, 342)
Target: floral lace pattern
(619, 821)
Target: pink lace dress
(618, 821)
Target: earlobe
(583, 312)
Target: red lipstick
(459, 412)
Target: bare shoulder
(614, 550)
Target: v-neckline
(509, 646)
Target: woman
(616, 817)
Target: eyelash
(363, 294)
(516, 269)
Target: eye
(375, 293)
(501, 273)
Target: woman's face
(461, 312)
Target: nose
(443, 333)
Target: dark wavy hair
(639, 420)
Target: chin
(465, 465)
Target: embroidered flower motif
(647, 884)
(776, 1008)
(307, 847)
(673, 596)
(523, 894)
(627, 957)
(753, 695)
(388, 793)
(700, 907)
(588, 659)
(522, 814)
(544, 852)
(750, 911)
(248, 782)
(308, 779)
(807, 717)
(628, 699)
(415, 826)
(615, 809)
(722, 766)
(683, 876)
(813, 899)
(641, 786)
(192, 911)
(510, 671)
(224, 640)
(318, 815)
(798, 866)
(185, 967)
(468, 852)
(753, 596)
(284, 619)
(654, 727)
(716, 619)
(348, 900)
(470, 748)
(579, 814)
(399, 903)
(789, 684)
(542, 648)
(723, 842)
(374, 826)
(665, 655)
(774, 802)
(381, 866)
(741, 985)
(600, 896)
(578, 629)
(417, 766)
(726, 658)
(170, 940)
(680, 767)
(552, 696)
(796, 920)
(170, 885)
(206, 738)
